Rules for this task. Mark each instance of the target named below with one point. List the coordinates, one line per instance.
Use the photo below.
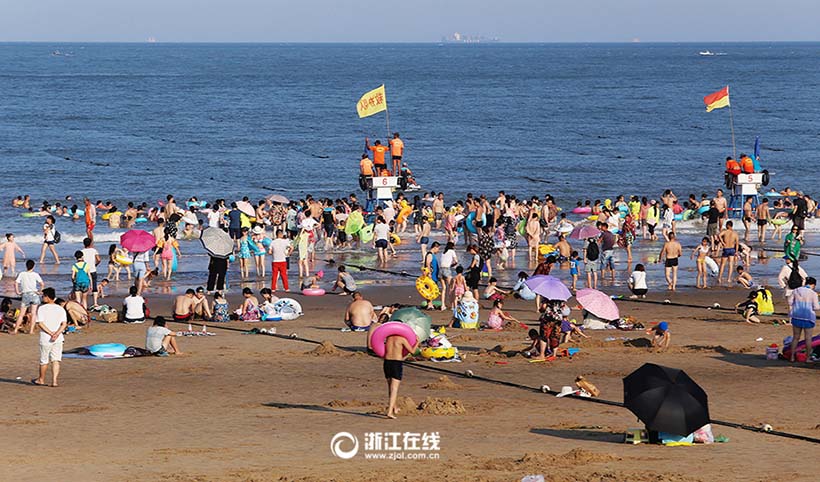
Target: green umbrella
(418, 320)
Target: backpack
(592, 251)
(57, 237)
(81, 281)
(795, 280)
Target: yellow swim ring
(427, 288)
(438, 352)
(395, 239)
(123, 260)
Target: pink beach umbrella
(246, 208)
(137, 241)
(584, 231)
(598, 303)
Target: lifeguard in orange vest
(732, 166)
(747, 164)
(378, 154)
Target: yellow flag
(372, 102)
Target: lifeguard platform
(746, 186)
(380, 190)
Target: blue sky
(409, 20)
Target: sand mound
(430, 406)
(441, 406)
(443, 383)
(539, 462)
(515, 326)
(326, 348)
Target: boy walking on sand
(393, 368)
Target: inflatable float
(391, 328)
(313, 291)
(105, 216)
(427, 288)
(107, 350)
(395, 239)
(469, 223)
(123, 260)
(287, 309)
(196, 204)
(801, 356)
(582, 210)
(141, 219)
(366, 233)
(712, 266)
(354, 223)
(779, 221)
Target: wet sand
(254, 407)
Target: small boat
(706, 53)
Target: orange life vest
(747, 164)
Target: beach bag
(82, 281)
(795, 280)
(57, 237)
(592, 251)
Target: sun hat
(320, 274)
(258, 230)
(566, 390)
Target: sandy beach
(255, 407)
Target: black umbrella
(666, 399)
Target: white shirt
(638, 280)
(49, 230)
(89, 255)
(142, 257)
(389, 213)
(133, 307)
(51, 315)
(28, 280)
(381, 231)
(213, 218)
(449, 258)
(153, 339)
(279, 247)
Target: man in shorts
(394, 349)
(52, 321)
(184, 306)
(607, 241)
(671, 251)
(720, 204)
(396, 152)
(763, 216)
(359, 314)
(26, 286)
(729, 240)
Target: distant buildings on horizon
(460, 38)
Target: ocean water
(134, 122)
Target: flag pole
(732, 127)
(387, 115)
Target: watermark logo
(341, 438)
(388, 445)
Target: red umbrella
(137, 241)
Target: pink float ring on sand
(313, 291)
(391, 328)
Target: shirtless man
(394, 349)
(184, 306)
(671, 252)
(748, 217)
(564, 249)
(438, 209)
(360, 314)
(729, 241)
(763, 216)
(720, 204)
(201, 307)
